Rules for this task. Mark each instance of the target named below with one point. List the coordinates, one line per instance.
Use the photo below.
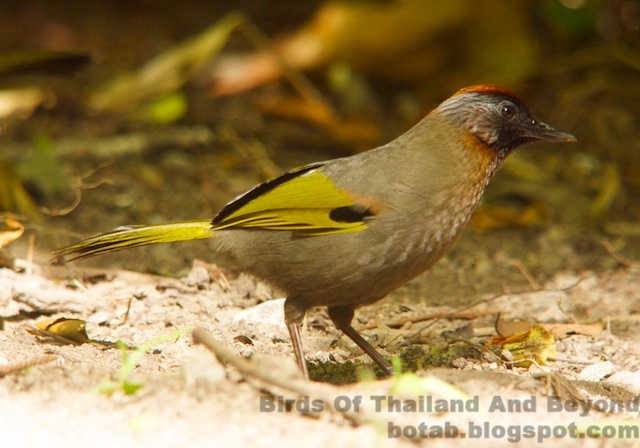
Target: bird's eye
(509, 111)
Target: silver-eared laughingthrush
(345, 232)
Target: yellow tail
(126, 237)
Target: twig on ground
(296, 385)
(617, 256)
(18, 366)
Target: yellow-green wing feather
(304, 201)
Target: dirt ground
(187, 398)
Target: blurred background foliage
(187, 104)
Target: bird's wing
(305, 201)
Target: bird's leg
(341, 317)
(296, 341)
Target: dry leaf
(13, 195)
(361, 129)
(537, 345)
(21, 101)
(564, 330)
(440, 43)
(505, 328)
(362, 34)
(72, 330)
(10, 230)
(609, 189)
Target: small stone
(459, 363)
(100, 317)
(270, 313)
(597, 372)
(626, 380)
(198, 276)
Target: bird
(344, 233)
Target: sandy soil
(187, 398)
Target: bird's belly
(342, 269)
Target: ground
(186, 397)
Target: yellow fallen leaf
(522, 349)
(13, 195)
(70, 329)
(10, 230)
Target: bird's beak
(542, 131)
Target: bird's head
(497, 118)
